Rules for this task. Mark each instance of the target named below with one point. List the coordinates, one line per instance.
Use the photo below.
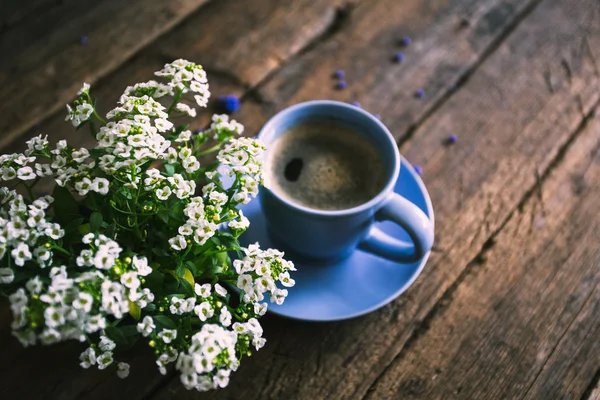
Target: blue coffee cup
(334, 235)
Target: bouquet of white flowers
(126, 248)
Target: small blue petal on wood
(452, 139)
(418, 169)
(356, 104)
(83, 40)
(399, 57)
(198, 131)
(339, 74)
(377, 116)
(341, 85)
(420, 93)
(229, 103)
(405, 41)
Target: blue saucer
(352, 287)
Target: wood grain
(525, 322)
(512, 131)
(44, 63)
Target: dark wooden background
(508, 307)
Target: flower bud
(152, 343)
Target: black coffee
(325, 166)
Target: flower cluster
(259, 272)
(128, 248)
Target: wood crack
(590, 388)
(559, 341)
(446, 299)
(340, 20)
(466, 75)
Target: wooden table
(508, 306)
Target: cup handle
(414, 221)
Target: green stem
(65, 252)
(210, 150)
(176, 99)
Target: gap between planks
(445, 300)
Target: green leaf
(134, 310)
(95, 221)
(164, 321)
(129, 330)
(66, 208)
(170, 169)
(84, 229)
(116, 335)
(185, 285)
(180, 270)
(164, 217)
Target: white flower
(141, 264)
(43, 170)
(103, 259)
(188, 304)
(278, 296)
(6, 275)
(83, 186)
(285, 279)
(21, 254)
(54, 231)
(176, 306)
(258, 342)
(26, 174)
(130, 280)
(204, 311)
(123, 370)
(244, 282)
(84, 89)
(146, 326)
(201, 100)
(83, 302)
(162, 125)
(105, 360)
(220, 290)
(100, 185)
(34, 285)
(167, 335)
(191, 164)
(80, 155)
(202, 290)
(260, 308)
(171, 155)
(95, 323)
(106, 344)
(142, 298)
(85, 258)
(184, 136)
(87, 358)
(54, 317)
(178, 243)
(221, 379)
(8, 173)
(163, 193)
(225, 317)
(242, 224)
(218, 198)
(87, 238)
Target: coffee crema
(324, 165)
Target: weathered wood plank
(525, 322)
(213, 42)
(512, 130)
(240, 29)
(595, 394)
(49, 62)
